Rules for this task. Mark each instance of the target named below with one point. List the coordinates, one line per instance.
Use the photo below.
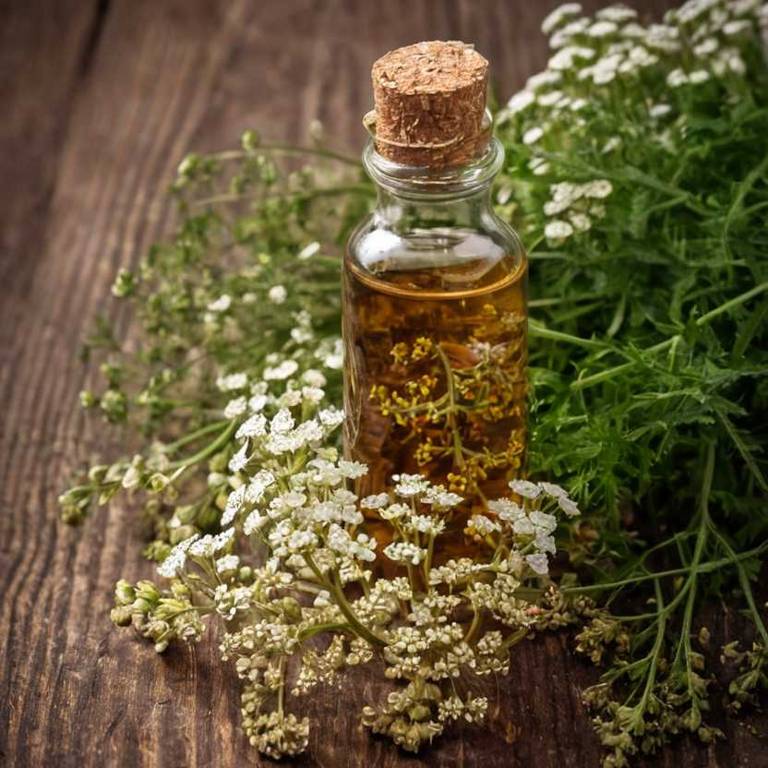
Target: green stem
(288, 149)
(209, 450)
(536, 329)
(192, 436)
(515, 638)
(317, 629)
(589, 381)
(451, 409)
(335, 588)
(746, 587)
(654, 654)
(705, 567)
(281, 689)
(428, 560)
(754, 175)
(349, 189)
(473, 627)
(684, 646)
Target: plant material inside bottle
(436, 380)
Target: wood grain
(101, 100)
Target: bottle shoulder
(450, 258)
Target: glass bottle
(434, 325)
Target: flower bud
(158, 482)
(125, 594)
(292, 608)
(179, 590)
(245, 574)
(181, 533)
(146, 590)
(121, 615)
(419, 712)
(96, 474)
(88, 399)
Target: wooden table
(100, 100)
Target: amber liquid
(435, 378)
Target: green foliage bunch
(638, 168)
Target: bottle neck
(460, 186)
(406, 213)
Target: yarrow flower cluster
(614, 65)
(573, 207)
(394, 596)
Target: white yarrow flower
(405, 552)
(209, 544)
(255, 426)
(525, 488)
(520, 101)
(232, 382)
(257, 402)
(331, 417)
(314, 378)
(550, 98)
(308, 251)
(376, 501)
(539, 563)
(733, 28)
(661, 37)
(542, 79)
(676, 78)
(580, 221)
(558, 230)
(227, 563)
(532, 135)
(238, 462)
(704, 48)
(736, 64)
(235, 502)
(616, 13)
(598, 189)
(553, 490)
(285, 370)
(558, 16)
(236, 407)
(312, 394)
(410, 485)
(568, 506)
(691, 10)
(564, 60)
(541, 169)
(743, 7)
(659, 110)
(602, 29)
(222, 304)
(699, 76)
(277, 294)
(482, 525)
(254, 522)
(176, 558)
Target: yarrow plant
(248, 504)
(637, 165)
(636, 172)
(292, 577)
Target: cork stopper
(430, 104)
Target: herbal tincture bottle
(434, 286)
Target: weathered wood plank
(105, 98)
